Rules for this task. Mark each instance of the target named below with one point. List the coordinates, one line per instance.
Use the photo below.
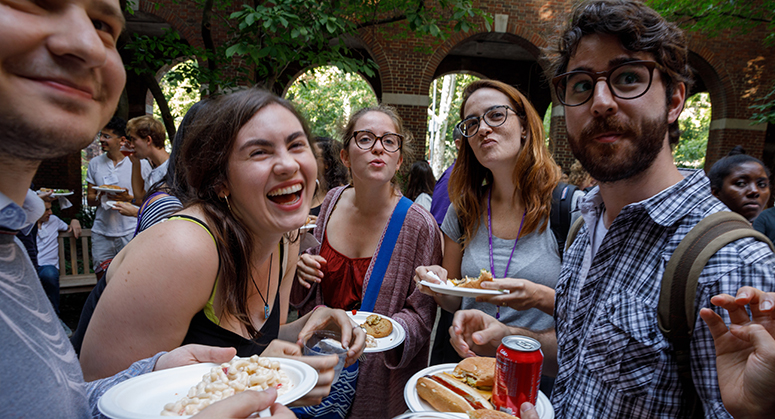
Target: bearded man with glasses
(622, 73)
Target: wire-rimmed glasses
(365, 140)
(494, 117)
(629, 80)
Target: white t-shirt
(155, 175)
(48, 246)
(102, 171)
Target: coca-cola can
(517, 373)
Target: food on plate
(45, 190)
(240, 374)
(370, 341)
(447, 394)
(489, 414)
(377, 326)
(477, 372)
(114, 187)
(61, 190)
(469, 282)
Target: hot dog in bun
(489, 414)
(447, 394)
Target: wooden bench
(72, 281)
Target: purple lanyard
(489, 233)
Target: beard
(34, 142)
(623, 159)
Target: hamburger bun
(446, 394)
(489, 414)
(477, 371)
(469, 282)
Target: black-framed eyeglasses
(365, 140)
(626, 81)
(494, 117)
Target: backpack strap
(573, 232)
(560, 215)
(676, 310)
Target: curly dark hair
(639, 28)
(335, 173)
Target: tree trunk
(153, 85)
(439, 133)
(207, 39)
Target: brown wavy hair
(639, 29)
(535, 173)
(203, 163)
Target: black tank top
(203, 331)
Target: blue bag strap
(385, 252)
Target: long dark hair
(421, 180)
(171, 183)
(335, 173)
(203, 164)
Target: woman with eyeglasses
(501, 194)
(354, 227)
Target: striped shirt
(614, 360)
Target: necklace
(489, 235)
(269, 283)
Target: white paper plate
(62, 194)
(460, 292)
(416, 404)
(97, 188)
(306, 227)
(395, 338)
(144, 396)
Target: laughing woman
(354, 225)
(211, 274)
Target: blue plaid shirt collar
(665, 208)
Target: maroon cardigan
(383, 375)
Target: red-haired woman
(501, 193)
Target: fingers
(715, 323)
(240, 405)
(281, 348)
(434, 274)
(737, 313)
(758, 335)
(528, 411)
(308, 267)
(458, 342)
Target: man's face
(47, 214)
(613, 138)
(140, 145)
(110, 142)
(60, 74)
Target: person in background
(745, 352)
(331, 172)
(45, 114)
(49, 226)
(622, 73)
(146, 137)
(419, 186)
(440, 201)
(741, 182)
(353, 221)
(503, 227)
(111, 230)
(579, 177)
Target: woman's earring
(226, 197)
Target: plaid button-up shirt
(614, 360)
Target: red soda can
(517, 373)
